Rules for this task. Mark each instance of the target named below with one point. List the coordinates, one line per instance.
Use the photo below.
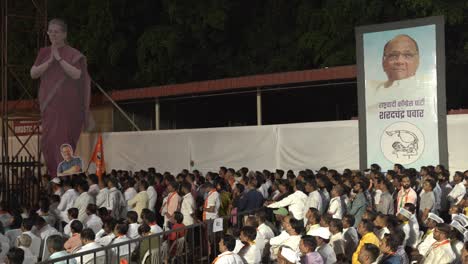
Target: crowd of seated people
(373, 216)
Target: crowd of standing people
(398, 216)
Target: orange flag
(98, 157)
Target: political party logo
(402, 142)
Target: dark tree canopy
(153, 42)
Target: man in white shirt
(123, 251)
(294, 229)
(250, 253)
(259, 240)
(410, 234)
(336, 239)
(26, 227)
(350, 235)
(212, 202)
(413, 221)
(44, 229)
(106, 235)
(227, 256)
(335, 208)
(72, 216)
(314, 199)
(93, 185)
(130, 191)
(132, 219)
(101, 198)
(115, 200)
(263, 189)
(152, 194)
(93, 221)
(149, 218)
(24, 242)
(278, 240)
(87, 239)
(459, 190)
(296, 202)
(83, 200)
(441, 250)
(67, 200)
(187, 207)
(56, 188)
(263, 228)
(313, 220)
(428, 238)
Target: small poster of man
(70, 164)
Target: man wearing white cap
(428, 237)
(440, 251)
(322, 236)
(56, 188)
(410, 234)
(404, 216)
(461, 218)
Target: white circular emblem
(402, 143)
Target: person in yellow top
(140, 201)
(366, 230)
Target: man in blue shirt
(251, 199)
(70, 164)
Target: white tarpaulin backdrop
(292, 146)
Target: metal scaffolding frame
(23, 25)
(19, 17)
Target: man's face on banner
(67, 153)
(401, 58)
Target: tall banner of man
(401, 93)
(64, 97)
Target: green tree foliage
(154, 42)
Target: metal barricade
(20, 181)
(198, 245)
